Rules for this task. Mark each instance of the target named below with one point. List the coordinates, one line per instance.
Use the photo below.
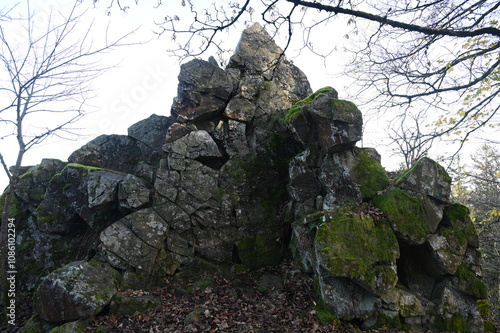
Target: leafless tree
(408, 136)
(47, 65)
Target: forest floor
(273, 299)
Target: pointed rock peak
(256, 51)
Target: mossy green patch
(455, 323)
(489, 326)
(369, 175)
(384, 320)
(35, 325)
(351, 245)
(296, 109)
(405, 212)
(458, 216)
(27, 174)
(82, 167)
(470, 283)
(484, 307)
(15, 206)
(456, 211)
(264, 88)
(103, 329)
(456, 238)
(126, 306)
(25, 247)
(79, 326)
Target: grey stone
(137, 242)
(79, 290)
(33, 183)
(122, 305)
(151, 131)
(256, 52)
(134, 193)
(240, 109)
(117, 152)
(203, 91)
(429, 178)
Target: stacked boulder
(399, 255)
(248, 154)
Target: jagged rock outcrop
(388, 262)
(249, 156)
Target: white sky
(144, 80)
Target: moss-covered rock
(484, 307)
(405, 213)
(122, 305)
(15, 207)
(32, 184)
(445, 253)
(452, 323)
(457, 216)
(76, 291)
(469, 283)
(297, 108)
(489, 327)
(324, 119)
(79, 326)
(353, 246)
(36, 325)
(369, 175)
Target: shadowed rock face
(249, 156)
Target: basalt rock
(120, 153)
(251, 167)
(203, 91)
(79, 290)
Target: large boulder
(151, 131)
(79, 290)
(203, 91)
(136, 242)
(118, 152)
(427, 177)
(405, 214)
(32, 184)
(89, 193)
(323, 119)
(368, 257)
(225, 164)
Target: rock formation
(250, 168)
